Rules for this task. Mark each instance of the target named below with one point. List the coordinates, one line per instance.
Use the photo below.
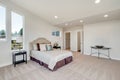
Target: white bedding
(51, 57)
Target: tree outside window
(2, 22)
(17, 31)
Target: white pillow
(42, 47)
(35, 47)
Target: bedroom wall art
(56, 33)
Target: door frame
(65, 39)
(82, 41)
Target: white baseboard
(113, 58)
(7, 64)
(3, 65)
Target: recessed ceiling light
(105, 15)
(97, 1)
(55, 17)
(81, 21)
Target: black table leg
(98, 54)
(23, 57)
(26, 58)
(91, 52)
(14, 61)
(109, 54)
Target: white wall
(34, 27)
(73, 40)
(105, 33)
(73, 36)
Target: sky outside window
(17, 31)
(17, 22)
(2, 18)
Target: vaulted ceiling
(70, 12)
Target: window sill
(3, 40)
(17, 50)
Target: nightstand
(18, 53)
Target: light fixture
(97, 1)
(105, 15)
(81, 21)
(55, 17)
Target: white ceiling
(71, 11)
(113, 15)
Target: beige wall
(34, 27)
(104, 33)
(72, 28)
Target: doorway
(79, 41)
(67, 41)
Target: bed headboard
(39, 40)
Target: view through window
(2, 23)
(17, 31)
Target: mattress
(51, 57)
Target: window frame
(4, 39)
(23, 18)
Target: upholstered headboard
(39, 40)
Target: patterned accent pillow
(35, 47)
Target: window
(17, 31)
(2, 23)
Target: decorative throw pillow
(35, 47)
(49, 47)
(38, 47)
(42, 47)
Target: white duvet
(51, 57)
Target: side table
(98, 51)
(18, 53)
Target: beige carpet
(82, 68)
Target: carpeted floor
(82, 68)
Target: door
(79, 41)
(67, 40)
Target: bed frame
(58, 64)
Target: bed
(52, 59)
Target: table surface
(21, 51)
(100, 48)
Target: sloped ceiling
(72, 11)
